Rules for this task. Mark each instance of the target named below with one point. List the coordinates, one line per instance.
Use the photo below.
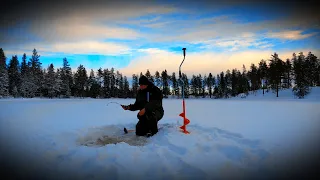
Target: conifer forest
(27, 78)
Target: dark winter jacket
(151, 103)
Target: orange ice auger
(183, 114)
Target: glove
(125, 107)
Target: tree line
(29, 79)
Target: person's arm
(133, 107)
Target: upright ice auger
(183, 114)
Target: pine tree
(186, 85)
(288, 73)
(312, 71)
(58, 82)
(66, 77)
(112, 82)
(126, 88)
(253, 76)
(193, 83)
(27, 86)
(276, 70)
(51, 81)
(106, 84)
(200, 85)
(222, 85)
(244, 80)
(317, 74)
(157, 79)
(210, 84)
(234, 82)
(36, 72)
(165, 84)
(301, 87)
(149, 76)
(204, 85)
(4, 78)
(93, 85)
(228, 81)
(175, 85)
(80, 79)
(120, 84)
(135, 85)
(14, 76)
(263, 69)
(24, 65)
(100, 80)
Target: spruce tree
(106, 83)
(276, 70)
(4, 78)
(66, 77)
(210, 84)
(301, 88)
(36, 72)
(234, 83)
(165, 83)
(254, 77)
(204, 85)
(228, 81)
(27, 85)
(51, 81)
(193, 83)
(157, 79)
(312, 69)
(175, 85)
(126, 88)
(81, 79)
(100, 80)
(135, 85)
(263, 69)
(93, 85)
(14, 76)
(58, 82)
(149, 76)
(288, 73)
(186, 84)
(112, 82)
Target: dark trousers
(148, 123)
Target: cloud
(75, 31)
(53, 22)
(290, 35)
(90, 47)
(71, 48)
(201, 63)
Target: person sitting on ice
(149, 103)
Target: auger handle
(184, 56)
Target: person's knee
(140, 129)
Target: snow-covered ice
(230, 138)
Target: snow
(230, 138)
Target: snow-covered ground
(234, 138)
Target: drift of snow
(233, 138)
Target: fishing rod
(113, 102)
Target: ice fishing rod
(183, 114)
(124, 129)
(113, 102)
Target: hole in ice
(111, 134)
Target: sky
(133, 36)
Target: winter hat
(143, 80)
